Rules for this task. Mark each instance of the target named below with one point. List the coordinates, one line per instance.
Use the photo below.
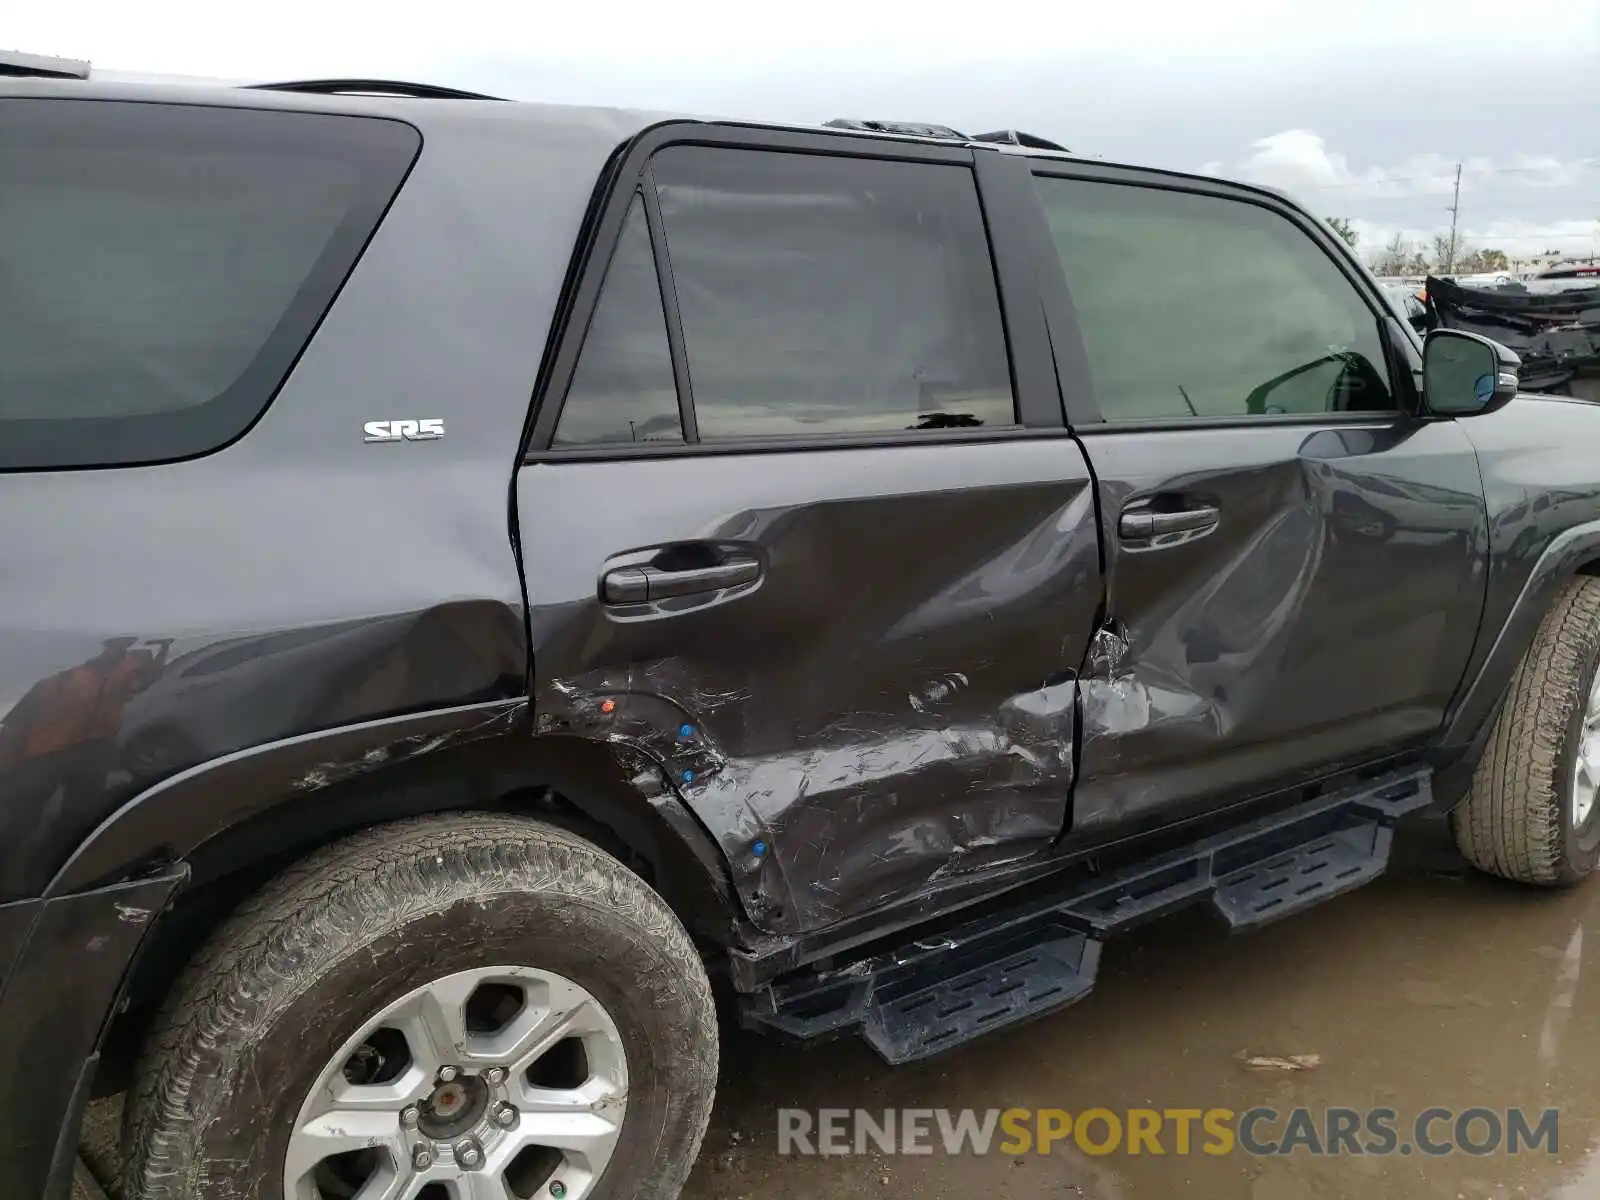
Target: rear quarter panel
(396, 558)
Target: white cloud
(1301, 163)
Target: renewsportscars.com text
(1213, 1131)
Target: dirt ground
(1430, 987)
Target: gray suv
(477, 577)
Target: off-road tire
(1516, 821)
(270, 998)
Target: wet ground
(1421, 990)
(1425, 989)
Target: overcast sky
(1361, 108)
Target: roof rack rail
(941, 133)
(1015, 137)
(16, 63)
(383, 87)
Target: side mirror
(1464, 375)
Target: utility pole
(1455, 207)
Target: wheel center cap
(453, 1108)
(449, 1100)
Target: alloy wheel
(499, 1083)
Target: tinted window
(1196, 306)
(821, 295)
(623, 388)
(161, 266)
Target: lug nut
(422, 1158)
(408, 1117)
(505, 1116)
(448, 1074)
(468, 1154)
(494, 1076)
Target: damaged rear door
(1295, 561)
(802, 528)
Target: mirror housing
(1466, 375)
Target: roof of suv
(423, 113)
(425, 105)
(429, 107)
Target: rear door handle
(637, 585)
(1143, 524)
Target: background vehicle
(575, 555)
(1555, 332)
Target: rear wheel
(1532, 813)
(459, 1008)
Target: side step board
(924, 997)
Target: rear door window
(826, 295)
(162, 267)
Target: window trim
(672, 319)
(1077, 383)
(1000, 200)
(790, 443)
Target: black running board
(924, 997)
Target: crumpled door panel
(1328, 616)
(892, 705)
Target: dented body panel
(890, 707)
(1324, 622)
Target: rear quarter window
(162, 266)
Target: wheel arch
(269, 802)
(234, 824)
(617, 802)
(1571, 553)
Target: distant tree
(1481, 262)
(1341, 226)
(1443, 260)
(1418, 264)
(1394, 257)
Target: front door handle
(637, 585)
(1144, 524)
